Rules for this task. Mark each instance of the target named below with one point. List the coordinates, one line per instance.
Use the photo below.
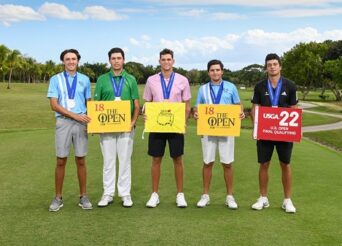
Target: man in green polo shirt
(117, 84)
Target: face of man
(215, 73)
(273, 68)
(116, 61)
(166, 62)
(70, 62)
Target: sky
(239, 33)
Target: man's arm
(59, 109)
(135, 113)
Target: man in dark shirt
(275, 91)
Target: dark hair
(272, 56)
(70, 51)
(214, 62)
(116, 50)
(166, 52)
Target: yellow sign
(218, 120)
(165, 117)
(109, 116)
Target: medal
(274, 97)
(71, 103)
(71, 90)
(117, 88)
(216, 98)
(167, 89)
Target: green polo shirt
(104, 89)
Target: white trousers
(121, 145)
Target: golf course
(27, 164)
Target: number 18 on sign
(277, 124)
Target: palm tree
(12, 60)
(3, 56)
(49, 68)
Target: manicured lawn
(330, 138)
(27, 186)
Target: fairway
(27, 165)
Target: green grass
(27, 105)
(315, 96)
(330, 138)
(27, 187)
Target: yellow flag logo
(165, 117)
(218, 120)
(109, 116)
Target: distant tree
(251, 74)
(193, 76)
(148, 71)
(333, 72)
(48, 69)
(12, 61)
(137, 70)
(304, 64)
(335, 50)
(203, 77)
(97, 68)
(4, 51)
(87, 71)
(180, 70)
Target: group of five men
(70, 90)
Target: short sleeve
(256, 96)
(147, 92)
(186, 95)
(236, 98)
(53, 88)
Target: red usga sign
(278, 124)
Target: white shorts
(225, 148)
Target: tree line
(311, 65)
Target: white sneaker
(261, 203)
(204, 201)
(180, 200)
(154, 200)
(288, 206)
(230, 202)
(105, 201)
(127, 201)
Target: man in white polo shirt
(68, 93)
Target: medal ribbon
(117, 88)
(72, 89)
(167, 89)
(274, 97)
(216, 99)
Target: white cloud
(192, 12)
(333, 35)
(227, 16)
(134, 42)
(60, 11)
(152, 60)
(239, 50)
(261, 3)
(145, 37)
(101, 13)
(10, 13)
(261, 38)
(290, 13)
(144, 41)
(204, 45)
